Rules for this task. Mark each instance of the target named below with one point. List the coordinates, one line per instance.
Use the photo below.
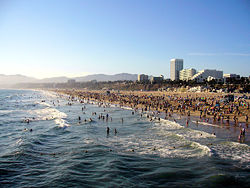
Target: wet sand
(207, 108)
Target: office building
(142, 77)
(159, 79)
(230, 77)
(176, 65)
(235, 76)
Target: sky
(48, 38)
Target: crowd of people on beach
(211, 108)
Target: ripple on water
(142, 154)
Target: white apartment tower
(176, 65)
(187, 74)
(203, 75)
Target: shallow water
(61, 152)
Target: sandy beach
(210, 107)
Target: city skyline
(60, 38)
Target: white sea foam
(6, 111)
(126, 108)
(50, 114)
(166, 122)
(50, 94)
(204, 148)
(234, 151)
(170, 145)
(61, 122)
(195, 134)
(47, 114)
(205, 123)
(168, 139)
(166, 125)
(44, 104)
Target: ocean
(56, 149)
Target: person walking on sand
(241, 137)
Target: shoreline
(125, 98)
(223, 130)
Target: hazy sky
(44, 38)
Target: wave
(233, 151)
(171, 123)
(170, 145)
(50, 114)
(62, 123)
(44, 104)
(205, 123)
(204, 148)
(49, 94)
(47, 113)
(167, 125)
(8, 112)
(126, 108)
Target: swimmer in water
(107, 130)
(115, 131)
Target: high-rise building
(176, 65)
(187, 74)
(142, 77)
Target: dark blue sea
(56, 149)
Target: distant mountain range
(8, 80)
